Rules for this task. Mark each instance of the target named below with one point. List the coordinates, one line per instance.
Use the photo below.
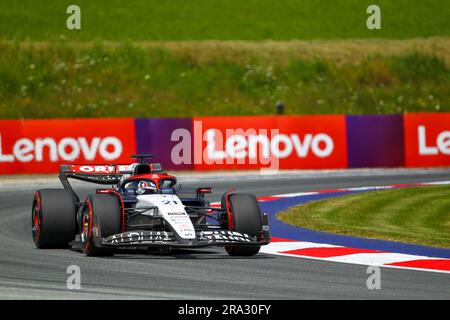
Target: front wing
(145, 238)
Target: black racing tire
(53, 218)
(102, 210)
(246, 216)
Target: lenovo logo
(65, 149)
(440, 145)
(266, 144)
(278, 145)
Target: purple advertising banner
(160, 136)
(375, 141)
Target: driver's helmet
(141, 187)
(145, 187)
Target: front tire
(246, 218)
(53, 218)
(102, 210)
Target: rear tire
(104, 211)
(53, 218)
(246, 216)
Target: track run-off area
(294, 266)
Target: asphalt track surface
(30, 273)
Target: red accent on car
(98, 168)
(36, 220)
(38, 198)
(155, 177)
(87, 245)
(228, 207)
(90, 219)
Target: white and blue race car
(143, 209)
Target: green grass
(419, 215)
(148, 58)
(60, 79)
(222, 19)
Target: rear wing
(104, 173)
(99, 174)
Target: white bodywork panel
(172, 210)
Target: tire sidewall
(56, 213)
(246, 215)
(95, 211)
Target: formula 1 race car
(143, 209)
